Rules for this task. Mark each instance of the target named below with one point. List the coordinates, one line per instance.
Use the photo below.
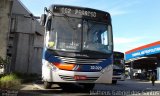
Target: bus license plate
(79, 77)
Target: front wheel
(47, 85)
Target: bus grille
(71, 78)
(80, 60)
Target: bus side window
(104, 38)
(48, 26)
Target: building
(146, 58)
(23, 39)
(5, 8)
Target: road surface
(128, 88)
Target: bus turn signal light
(64, 66)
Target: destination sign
(87, 12)
(78, 12)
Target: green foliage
(15, 79)
(27, 77)
(9, 81)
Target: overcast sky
(135, 22)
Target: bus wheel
(114, 81)
(67, 86)
(47, 85)
(88, 87)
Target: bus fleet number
(96, 67)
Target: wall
(5, 6)
(26, 41)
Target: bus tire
(89, 86)
(114, 81)
(47, 85)
(67, 86)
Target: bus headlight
(64, 66)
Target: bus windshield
(118, 64)
(76, 34)
(66, 34)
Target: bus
(78, 46)
(118, 67)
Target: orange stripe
(142, 47)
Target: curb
(35, 84)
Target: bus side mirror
(48, 25)
(43, 19)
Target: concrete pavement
(36, 89)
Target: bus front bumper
(77, 77)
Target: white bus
(78, 46)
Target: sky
(135, 22)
